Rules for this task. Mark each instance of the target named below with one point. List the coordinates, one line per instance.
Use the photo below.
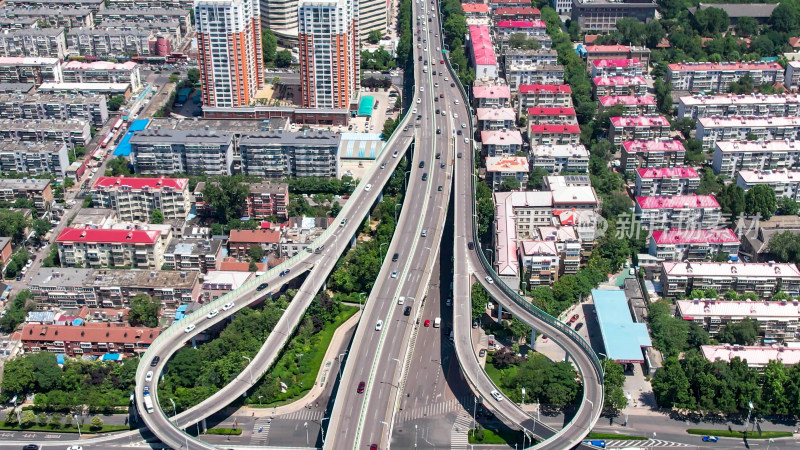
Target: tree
(788, 207)
(509, 184)
(374, 36)
(119, 166)
(480, 298)
(536, 177)
(743, 86)
(56, 421)
(252, 267)
(618, 203)
(746, 26)
(774, 383)
(11, 417)
(785, 246)
(193, 75)
(226, 197)
(116, 102)
(663, 96)
(41, 227)
(388, 128)
(96, 423)
(174, 78)
(731, 199)
(741, 333)
(670, 385)
(18, 377)
(144, 312)
(256, 253)
(785, 18)
(269, 44)
(283, 58)
(42, 419)
(760, 199)
(13, 224)
(28, 419)
(614, 397)
(710, 21)
(157, 217)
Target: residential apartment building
(540, 261)
(475, 10)
(692, 245)
(54, 18)
(175, 4)
(785, 183)
(193, 254)
(554, 135)
(34, 158)
(754, 105)
(632, 105)
(527, 13)
(518, 75)
(301, 233)
(602, 15)
(498, 168)
(757, 357)
(103, 288)
(491, 95)
(481, 52)
(551, 115)
(164, 152)
(733, 156)
(329, 51)
(763, 279)
(165, 35)
(561, 6)
(111, 43)
(659, 153)
(87, 340)
(501, 142)
(37, 190)
(135, 199)
(717, 77)
(638, 128)
(712, 129)
(595, 52)
(265, 200)
(90, 108)
(280, 16)
(777, 320)
(496, 118)
(625, 67)
(689, 212)
(504, 28)
(149, 15)
(792, 77)
(16, 69)
(72, 131)
(103, 72)
(240, 241)
(560, 158)
(94, 5)
(139, 249)
(544, 95)
(34, 42)
(653, 181)
(278, 154)
(523, 57)
(619, 85)
(229, 51)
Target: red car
(573, 318)
(441, 62)
(360, 389)
(427, 322)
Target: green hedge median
(740, 434)
(85, 429)
(225, 431)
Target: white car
(379, 325)
(435, 84)
(422, 88)
(456, 102)
(75, 447)
(212, 314)
(455, 115)
(447, 79)
(149, 376)
(394, 155)
(394, 274)
(466, 140)
(190, 328)
(497, 396)
(227, 306)
(463, 125)
(415, 109)
(401, 300)
(419, 100)
(489, 280)
(368, 187)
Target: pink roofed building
(638, 128)
(102, 72)
(653, 181)
(554, 134)
(490, 95)
(717, 77)
(135, 199)
(530, 28)
(617, 67)
(618, 85)
(551, 115)
(595, 52)
(501, 142)
(692, 245)
(87, 247)
(482, 52)
(757, 357)
(517, 13)
(541, 262)
(688, 212)
(496, 118)
(632, 105)
(531, 95)
(763, 279)
(502, 167)
(475, 9)
(652, 153)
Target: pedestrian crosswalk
(435, 409)
(459, 440)
(261, 431)
(303, 414)
(650, 443)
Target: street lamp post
(395, 211)
(523, 395)
(380, 249)
(604, 363)
(322, 428)
(259, 400)
(174, 411)
(749, 411)
(415, 436)
(341, 362)
(78, 422)
(249, 363)
(361, 300)
(305, 424)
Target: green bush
(225, 431)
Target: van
(437, 322)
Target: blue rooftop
(622, 337)
(60, 358)
(180, 313)
(365, 105)
(124, 147)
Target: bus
(148, 403)
(107, 139)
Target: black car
(434, 72)
(578, 326)
(458, 132)
(420, 58)
(437, 111)
(439, 189)
(438, 131)
(425, 176)
(394, 258)
(419, 116)
(421, 164)
(407, 311)
(262, 286)
(459, 153)
(452, 85)
(31, 447)
(438, 156)
(442, 166)
(155, 361)
(470, 245)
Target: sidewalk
(319, 387)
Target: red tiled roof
(677, 202)
(551, 111)
(536, 88)
(589, 38)
(141, 183)
(794, 42)
(260, 236)
(675, 236)
(571, 129)
(516, 11)
(475, 7)
(482, 46)
(69, 235)
(90, 332)
(232, 265)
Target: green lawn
(66, 429)
(622, 437)
(739, 434)
(318, 349)
(225, 431)
(497, 375)
(508, 437)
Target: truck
(148, 403)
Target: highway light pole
(604, 363)
(79, 425)
(249, 363)
(341, 362)
(749, 411)
(474, 408)
(305, 424)
(395, 211)
(259, 400)
(361, 301)
(322, 429)
(380, 249)
(415, 437)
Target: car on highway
(470, 245)
(573, 318)
(435, 84)
(401, 300)
(395, 257)
(149, 376)
(459, 155)
(440, 187)
(383, 166)
(419, 100)
(710, 439)
(394, 274)
(227, 306)
(31, 447)
(596, 443)
(394, 155)
(455, 102)
(463, 125)
(262, 286)
(442, 61)
(155, 361)
(422, 88)
(427, 322)
(482, 353)
(441, 166)
(455, 115)
(424, 232)
(146, 390)
(212, 314)
(489, 279)
(189, 328)
(74, 447)
(373, 447)
(449, 302)
(578, 326)
(368, 187)
(407, 311)
(425, 176)
(441, 96)
(497, 395)
(379, 325)
(438, 131)
(466, 140)
(360, 388)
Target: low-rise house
(110, 248)
(501, 142)
(240, 241)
